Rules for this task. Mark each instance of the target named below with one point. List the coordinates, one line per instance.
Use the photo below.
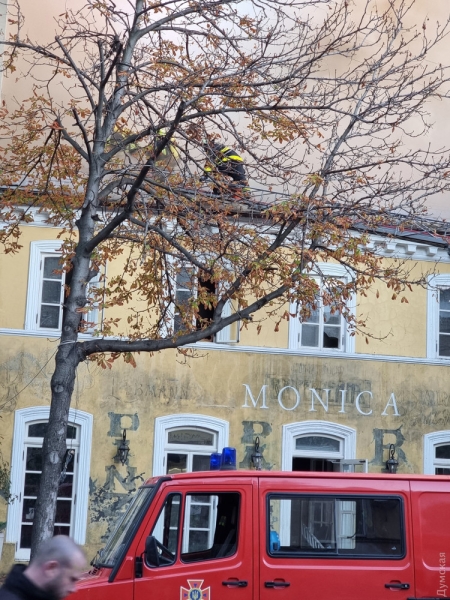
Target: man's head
(57, 567)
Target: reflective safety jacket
(221, 156)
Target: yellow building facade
(314, 398)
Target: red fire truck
(258, 535)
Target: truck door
(335, 538)
(200, 545)
(431, 526)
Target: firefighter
(168, 157)
(227, 162)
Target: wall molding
(40, 333)
(205, 346)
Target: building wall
(257, 393)
(394, 328)
(388, 392)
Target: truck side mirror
(151, 551)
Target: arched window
(312, 445)
(184, 443)
(436, 453)
(26, 464)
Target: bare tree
(324, 100)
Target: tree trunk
(54, 447)
(67, 360)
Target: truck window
(344, 526)
(165, 532)
(120, 539)
(210, 528)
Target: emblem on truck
(195, 591)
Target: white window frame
(430, 441)
(320, 271)
(38, 250)
(22, 419)
(345, 435)
(211, 503)
(184, 421)
(192, 292)
(434, 282)
(190, 450)
(35, 442)
(227, 335)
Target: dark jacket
(19, 587)
(227, 161)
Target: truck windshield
(126, 528)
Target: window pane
(331, 318)
(51, 292)
(32, 484)
(199, 516)
(50, 316)
(166, 531)
(51, 264)
(122, 533)
(61, 530)
(37, 430)
(343, 526)
(25, 536)
(183, 278)
(28, 509)
(313, 317)
(182, 298)
(211, 529)
(310, 335)
(190, 436)
(443, 451)
(198, 541)
(176, 463)
(63, 511)
(317, 442)
(444, 322)
(302, 463)
(444, 345)
(200, 462)
(331, 337)
(178, 324)
(66, 487)
(442, 471)
(34, 459)
(444, 299)
(201, 499)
